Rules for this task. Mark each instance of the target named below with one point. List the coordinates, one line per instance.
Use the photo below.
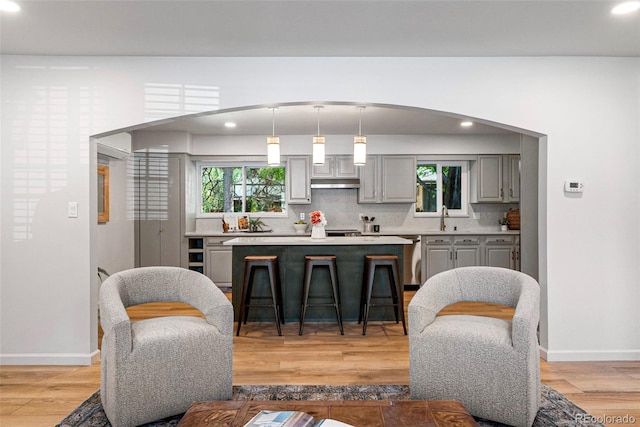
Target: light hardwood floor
(43, 395)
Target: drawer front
(500, 240)
(437, 240)
(466, 240)
(211, 241)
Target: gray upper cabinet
(512, 185)
(398, 179)
(368, 191)
(335, 167)
(496, 179)
(388, 179)
(298, 180)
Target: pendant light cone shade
(273, 144)
(318, 143)
(360, 145)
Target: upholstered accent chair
(155, 368)
(490, 365)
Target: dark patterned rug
(555, 409)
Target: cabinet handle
(511, 192)
(450, 255)
(439, 241)
(467, 240)
(500, 240)
(501, 192)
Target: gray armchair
(490, 365)
(155, 368)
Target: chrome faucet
(444, 213)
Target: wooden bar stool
(329, 261)
(390, 262)
(251, 263)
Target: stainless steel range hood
(335, 183)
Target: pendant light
(273, 142)
(318, 143)
(360, 144)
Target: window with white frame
(441, 183)
(241, 188)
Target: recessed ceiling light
(626, 7)
(229, 125)
(466, 124)
(9, 6)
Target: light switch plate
(73, 210)
(301, 216)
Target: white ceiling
(320, 28)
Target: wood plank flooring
(43, 395)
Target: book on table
(291, 419)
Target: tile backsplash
(341, 209)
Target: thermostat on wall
(573, 186)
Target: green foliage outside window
(428, 183)
(243, 189)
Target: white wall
(588, 107)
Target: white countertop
(389, 232)
(308, 241)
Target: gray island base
(291, 252)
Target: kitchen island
(291, 252)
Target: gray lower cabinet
(218, 261)
(501, 251)
(209, 256)
(441, 253)
(437, 256)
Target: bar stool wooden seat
(390, 262)
(310, 262)
(251, 263)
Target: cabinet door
(368, 191)
(325, 170)
(513, 178)
(437, 259)
(299, 180)
(218, 265)
(467, 256)
(158, 204)
(499, 256)
(489, 178)
(344, 167)
(398, 179)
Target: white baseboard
(588, 355)
(71, 359)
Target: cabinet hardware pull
(501, 192)
(500, 240)
(450, 255)
(511, 192)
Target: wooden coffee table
(360, 413)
